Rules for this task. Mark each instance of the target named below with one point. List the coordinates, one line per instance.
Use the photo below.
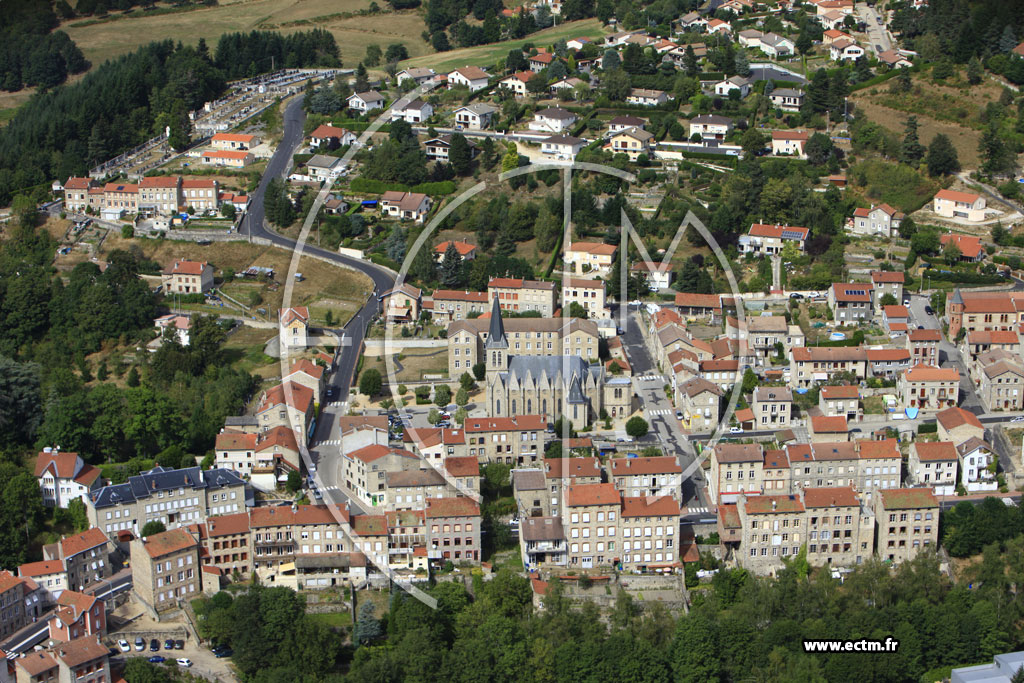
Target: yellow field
(104, 40)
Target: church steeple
(496, 334)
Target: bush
(370, 382)
(442, 395)
(637, 427)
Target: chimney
(774, 504)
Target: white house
(710, 126)
(516, 83)
(293, 328)
(437, 148)
(775, 46)
(365, 101)
(322, 167)
(562, 146)
(787, 99)
(472, 77)
(719, 26)
(412, 206)
(880, 221)
(657, 277)
(64, 477)
(894, 60)
(733, 83)
(330, 136)
(789, 143)
(553, 120)
(416, 111)
(181, 324)
(418, 75)
(569, 83)
(646, 97)
(975, 457)
(953, 204)
(474, 116)
(843, 50)
(693, 21)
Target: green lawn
(332, 619)
(486, 55)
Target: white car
(184, 662)
(1019, 418)
(124, 646)
(735, 430)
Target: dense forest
(32, 54)
(121, 405)
(959, 30)
(122, 103)
(739, 628)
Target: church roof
(536, 367)
(496, 333)
(575, 392)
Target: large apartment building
(175, 497)
(165, 569)
(512, 440)
(518, 296)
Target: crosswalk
(330, 442)
(649, 378)
(696, 511)
(660, 411)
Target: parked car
(735, 430)
(179, 645)
(679, 415)
(140, 644)
(157, 659)
(184, 661)
(123, 644)
(928, 310)
(169, 644)
(1019, 418)
(796, 295)
(226, 652)
(154, 645)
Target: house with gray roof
(177, 498)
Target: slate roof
(158, 479)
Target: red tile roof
(833, 496)
(930, 373)
(466, 466)
(822, 424)
(291, 394)
(556, 468)
(167, 542)
(187, 268)
(954, 196)
(650, 506)
(228, 525)
(598, 248)
(88, 539)
(41, 568)
(233, 137)
(451, 507)
(579, 495)
(951, 418)
(887, 276)
(63, 464)
(307, 366)
(764, 230)
(278, 437)
(869, 449)
(896, 311)
(662, 464)
(235, 441)
(925, 336)
(790, 135)
(456, 295)
(505, 424)
(464, 248)
(691, 300)
(935, 450)
(852, 292)
(832, 392)
(967, 244)
(883, 355)
(8, 581)
(78, 184)
(377, 451)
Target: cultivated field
(103, 40)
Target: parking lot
(131, 623)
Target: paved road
(877, 34)
(352, 334)
(659, 411)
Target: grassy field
(333, 619)
(103, 40)
(324, 287)
(953, 108)
(414, 362)
(483, 55)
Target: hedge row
(964, 278)
(380, 187)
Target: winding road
(255, 226)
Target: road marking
(696, 511)
(649, 378)
(660, 411)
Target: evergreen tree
(912, 151)
(362, 80)
(611, 60)
(460, 155)
(690, 61)
(451, 266)
(424, 268)
(742, 64)
(975, 71)
(515, 61)
(1008, 41)
(942, 157)
(547, 228)
(997, 158)
(394, 246)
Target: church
(549, 385)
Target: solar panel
(792, 235)
(856, 292)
